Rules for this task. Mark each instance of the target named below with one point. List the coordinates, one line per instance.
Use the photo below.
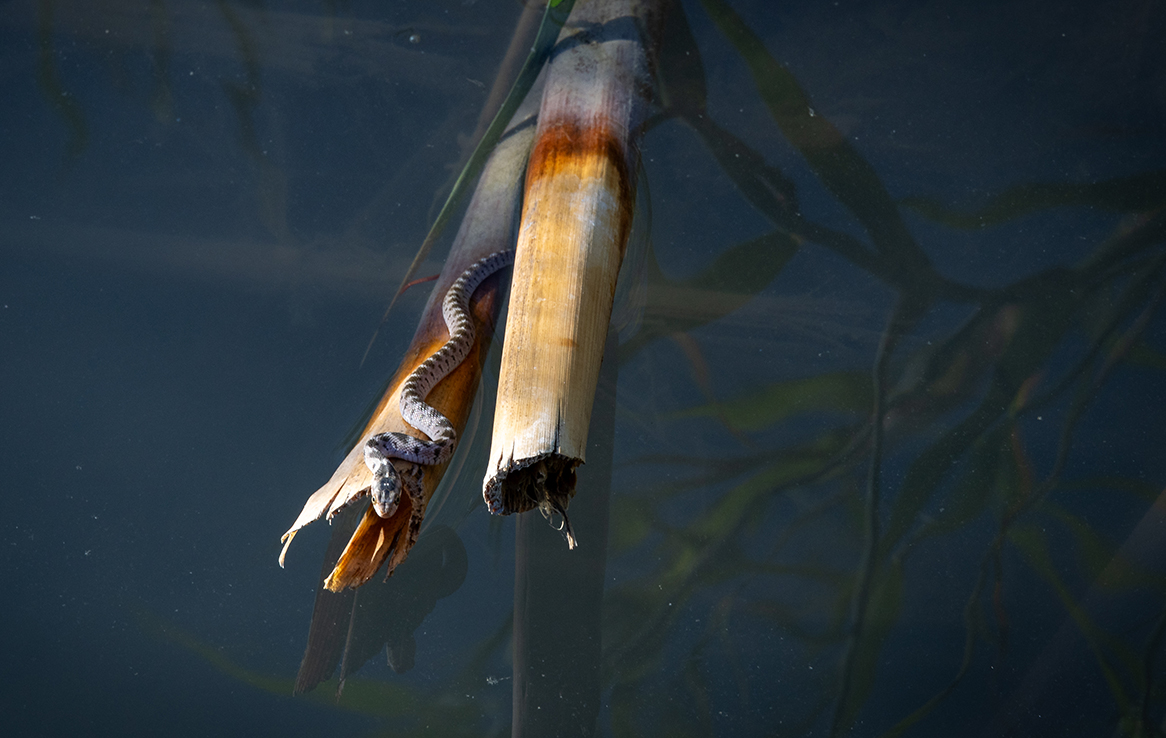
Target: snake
(380, 450)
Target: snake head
(386, 483)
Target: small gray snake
(382, 448)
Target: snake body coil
(382, 448)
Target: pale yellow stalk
(576, 220)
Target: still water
(206, 208)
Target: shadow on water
(885, 440)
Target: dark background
(200, 227)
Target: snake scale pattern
(382, 448)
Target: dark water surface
(205, 207)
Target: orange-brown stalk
(486, 228)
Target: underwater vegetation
(957, 527)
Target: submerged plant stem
(903, 315)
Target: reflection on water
(944, 217)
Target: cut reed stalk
(576, 219)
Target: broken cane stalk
(486, 229)
(391, 525)
(576, 219)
